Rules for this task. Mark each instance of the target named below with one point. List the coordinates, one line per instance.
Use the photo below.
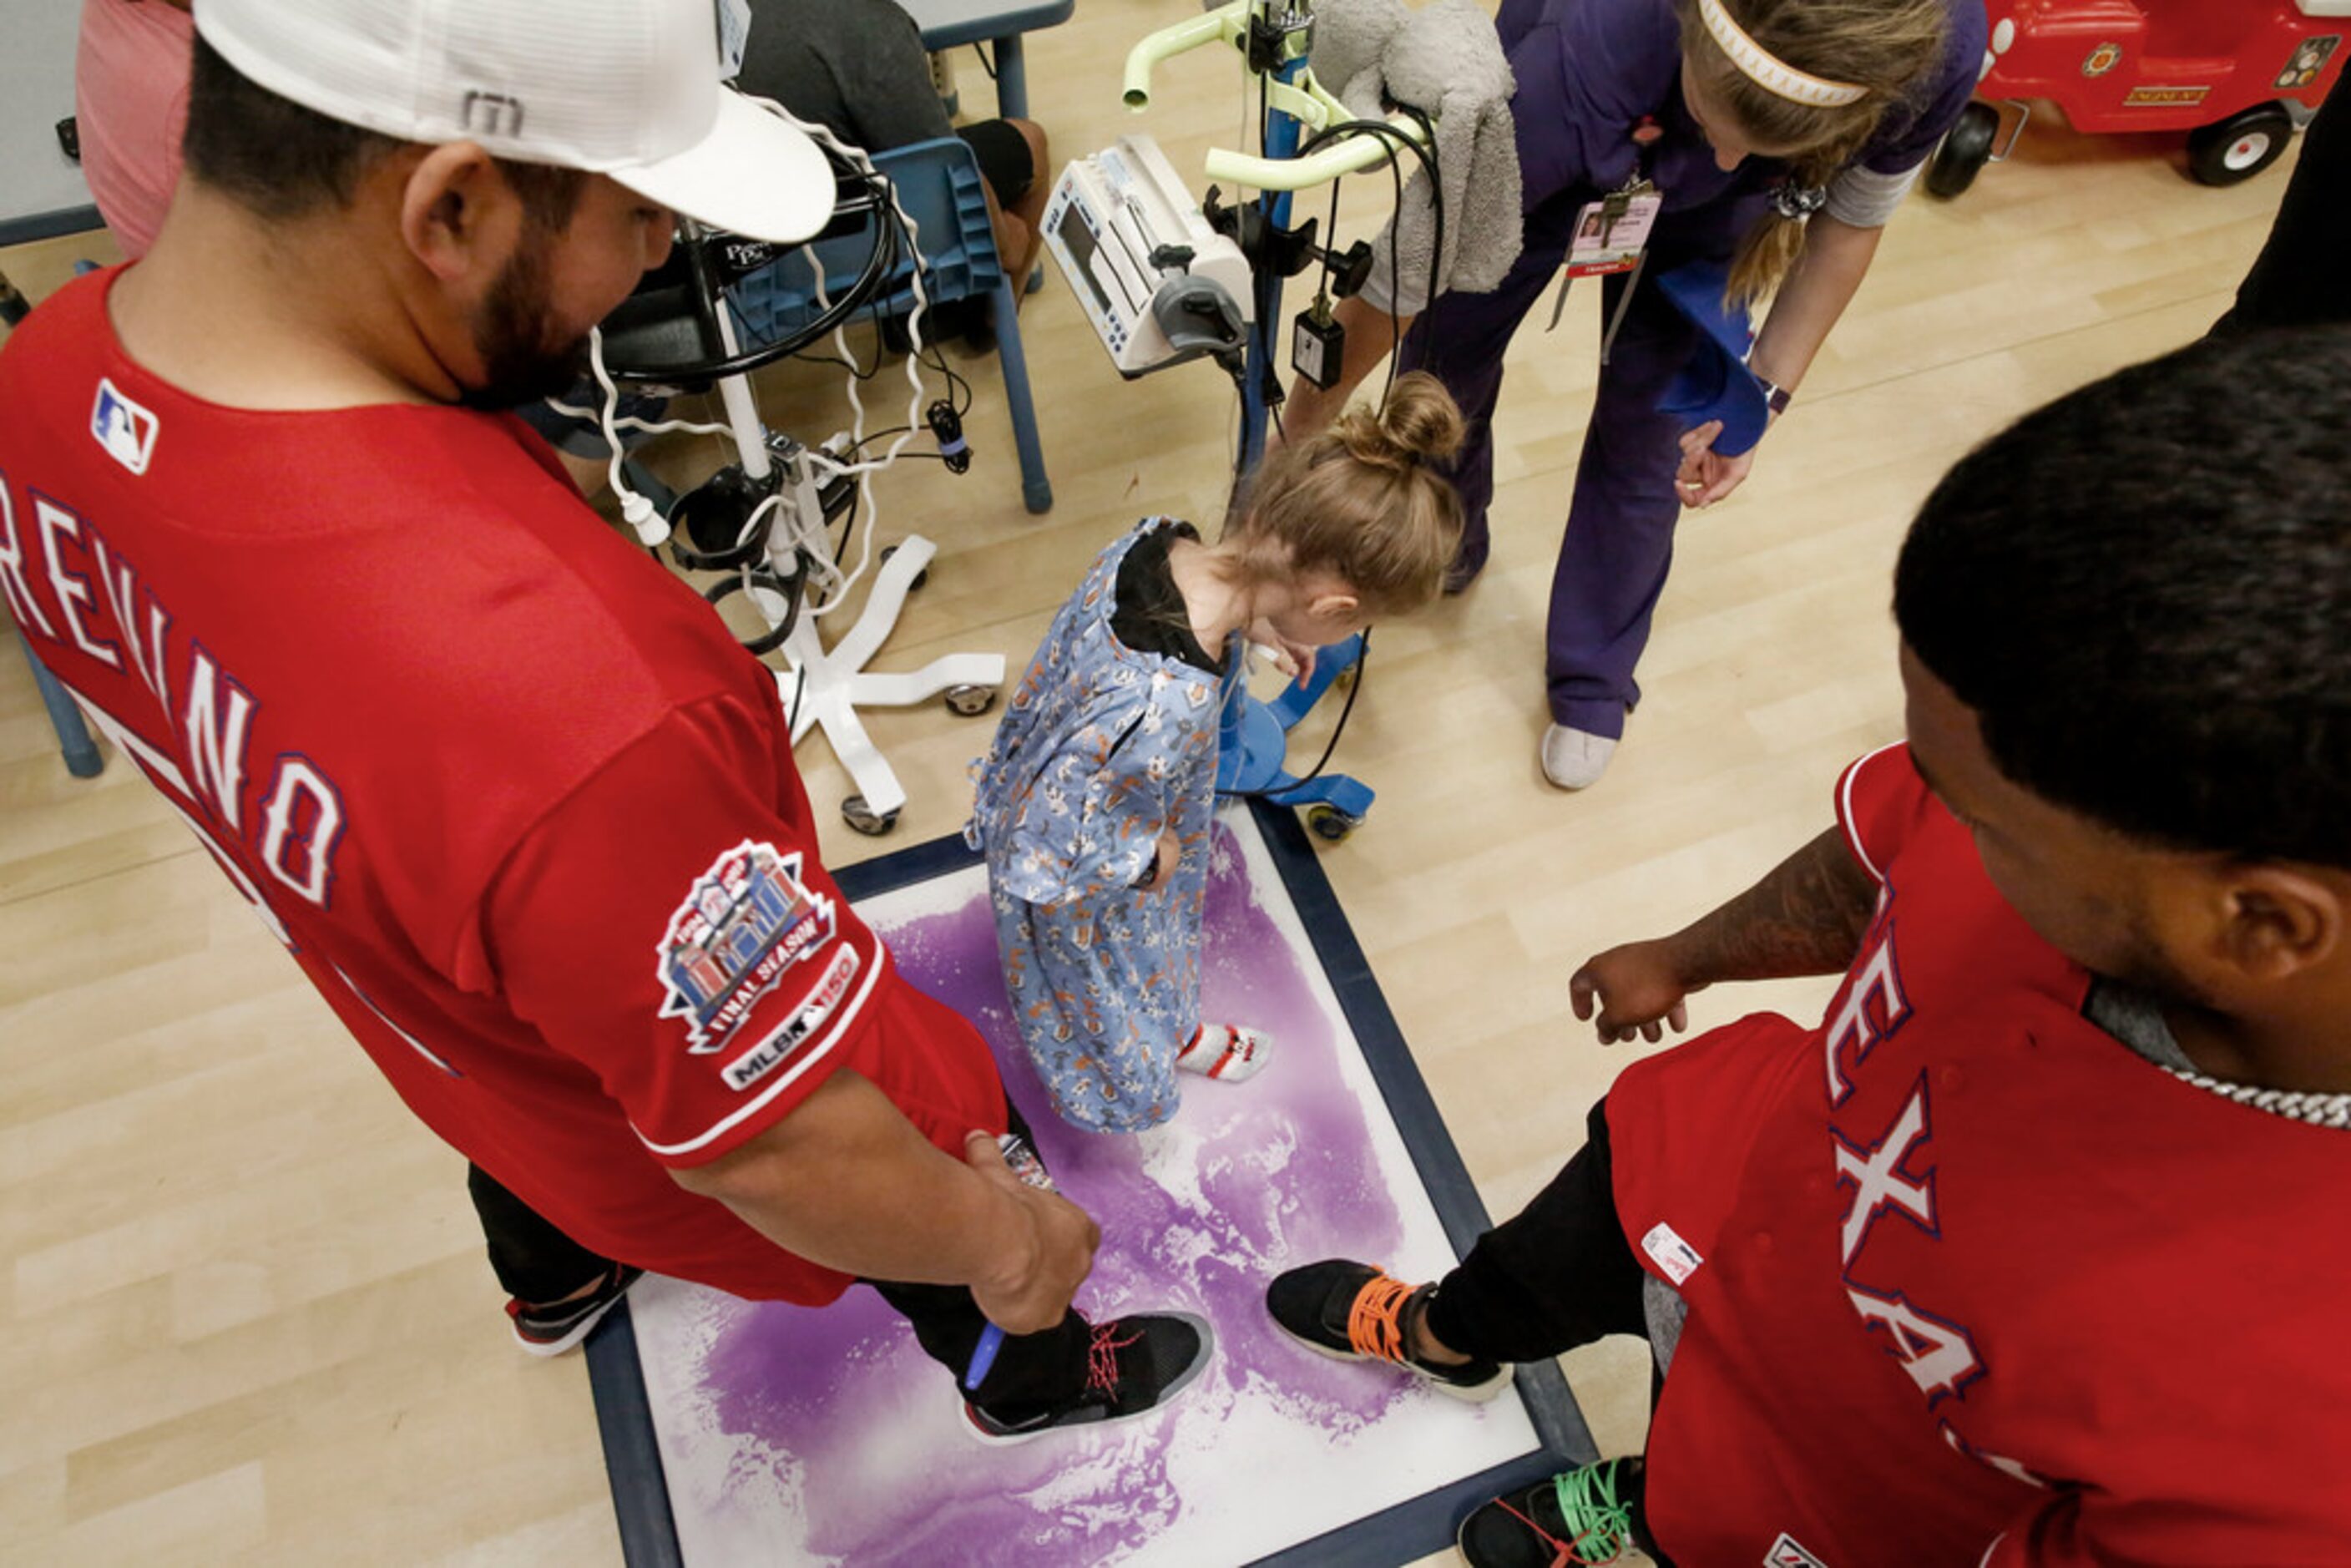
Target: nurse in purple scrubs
(1779, 136)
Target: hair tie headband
(1767, 70)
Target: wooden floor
(244, 1316)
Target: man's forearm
(1805, 918)
(846, 1181)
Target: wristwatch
(1775, 397)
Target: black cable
(1427, 154)
(792, 709)
(1363, 660)
(986, 64)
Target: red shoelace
(1101, 1356)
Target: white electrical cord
(641, 513)
(636, 510)
(642, 427)
(825, 468)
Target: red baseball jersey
(1970, 1281)
(511, 795)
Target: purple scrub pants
(1620, 522)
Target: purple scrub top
(1589, 70)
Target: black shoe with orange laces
(1356, 1312)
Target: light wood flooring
(244, 1315)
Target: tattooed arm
(1805, 918)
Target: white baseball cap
(629, 88)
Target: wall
(36, 57)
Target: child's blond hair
(1361, 502)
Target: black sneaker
(1589, 1515)
(552, 1330)
(1135, 1365)
(1355, 1313)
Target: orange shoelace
(1375, 1321)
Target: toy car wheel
(1964, 150)
(871, 823)
(2240, 146)
(970, 702)
(1330, 822)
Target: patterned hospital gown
(1101, 748)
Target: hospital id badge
(1611, 233)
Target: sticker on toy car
(2309, 59)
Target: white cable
(825, 468)
(640, 512)
(642, 427)
(637, 510)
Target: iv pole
(1273, 41)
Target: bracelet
(1775, 397)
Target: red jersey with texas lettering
(510, 793)
(1968, 1280)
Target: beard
(524, 357)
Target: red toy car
(2239, 75)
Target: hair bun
(1419, 422)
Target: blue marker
(1031, 1170)
(991, 1340)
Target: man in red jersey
(2031, 1252)
(514, 799)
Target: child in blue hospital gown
(1093, 804)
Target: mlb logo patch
(739, 930)
(797, 1030)
(126, 430)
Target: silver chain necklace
(2319, 1109)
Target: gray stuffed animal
(1447, 61)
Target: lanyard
(1592, 250)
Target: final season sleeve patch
(739, 930)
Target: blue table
(947, 23)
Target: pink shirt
(130, 93)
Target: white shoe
(1575, 758)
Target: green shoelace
(1599, 1527)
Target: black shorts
(1004, 160)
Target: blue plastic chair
(939, 184)
(82, 758)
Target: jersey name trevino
(291, 820)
